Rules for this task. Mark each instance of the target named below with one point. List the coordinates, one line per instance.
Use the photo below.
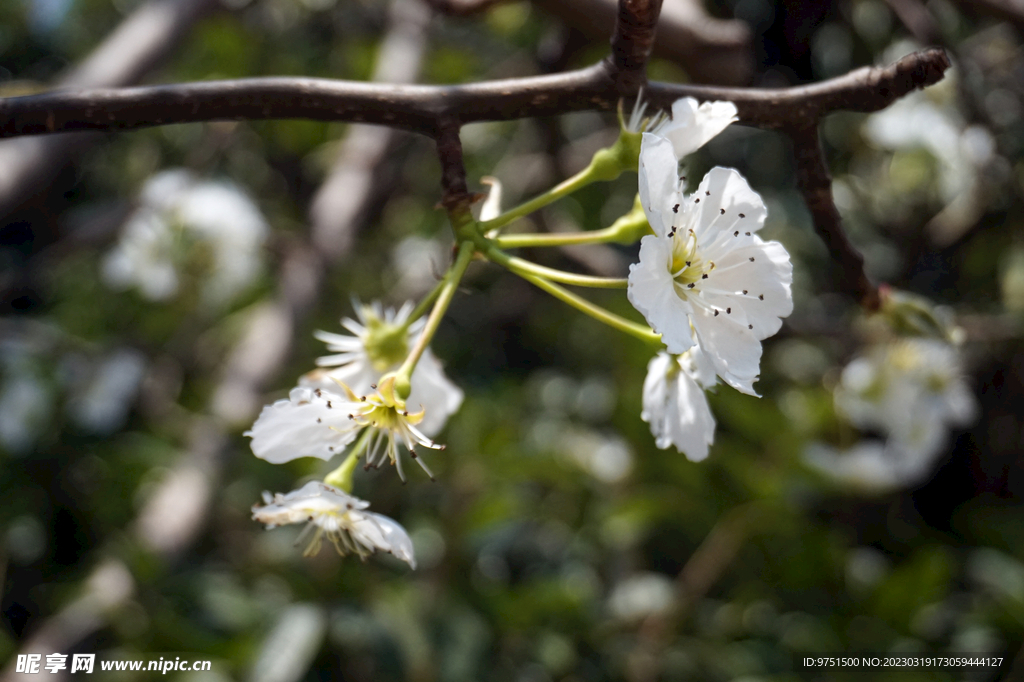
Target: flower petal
(305, 425)
(693, 126)
(651, 291)
(659, 182)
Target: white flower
(674, 403)
(871, 466)
(379, 345)
(185, 225)
(691, 126)
(338, 515)
(704, 276)
(910, 391)
(315, 422)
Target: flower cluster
(909, 391)
(705, 280)
(353, 396)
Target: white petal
(724, 189)
(767, 281)
(433, 392)
(733, 349)
(693, 126)
(376, 531)
(659, 182)
(491, 208)
(290, 429)
(677, 409)
(651, 291)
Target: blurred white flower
(910, 390)
(641, 595)
(871, 466)
(927, 120)
(704, 276)
(380, 344)
(674, 403)
(103, 403)
(316, 422)
(25, 411)
(338, 515)
(183, 226)
(417, 263)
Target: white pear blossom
(380, 344)
(184, 224)
(674, 403)
(910, 391)
(871, 466)
(705, 276)
(691, 126)
(317, 423)
(338, 515)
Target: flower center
(386, 343)
(687, 267)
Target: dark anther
(716, 313)
(319, 421)
(328, 404)
(687, 263)
(707, 193)
(748, 234)
(750, 326)
(744, 292)
(760, 297)
(704, 276)
(722, 210)
(696, 201)
(751, 259)
(742, 215)
(690, 285)
(373, 386)
(736, 233)
(728, 311)
(675, 209)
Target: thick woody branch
(453, 169)
(815, 184)
(632, 43)
(420, 107)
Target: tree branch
(632, 42)
(420, 107)
(815, 184)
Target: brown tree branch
(711, 50)
(815, 184)
(632, 42)
(420, 107)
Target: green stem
(341, 477)
(450, 283)
(422, 307)
(564, 188)
(517, 241)
(524, 267)
(595, 311)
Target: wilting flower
(674, 403)
(380, 344)
(910, 391)
(691, 126)
(314, 422)
(185, 225)
(338, 515)
(704, 276)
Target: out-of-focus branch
(420, 107)
(349, 188)
(138, 44)
(918, 20)
(711, 50)
(1010, 11)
